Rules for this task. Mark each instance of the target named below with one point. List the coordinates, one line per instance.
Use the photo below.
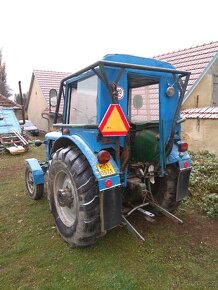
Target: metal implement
(131, 228)
(149, 216)
(146, 213)
(136, 208)
(167, 213)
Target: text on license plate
(106, 169)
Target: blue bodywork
(176, 156)
(88, 140)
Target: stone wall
(201, 134)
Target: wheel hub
(64, 197)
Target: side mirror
(53, 95)
(1, 118)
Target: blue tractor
(117, 148)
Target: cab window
(83, 101)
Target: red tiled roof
(49, 80)
(201, 113)
(6, 103)
(194, 59)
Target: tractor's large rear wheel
(164, 189)
(74, 198)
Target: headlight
(170, 91)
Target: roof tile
(7, 103)
(201, 113)
(193, 59)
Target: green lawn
(33, 256)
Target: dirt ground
(201, 229)
(198, 228)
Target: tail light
(183, 147)
(108, 183)
(103, 156)
(66, 131)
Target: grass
(33, 256)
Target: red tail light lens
(185, 164)
(103, 156)
(66, 131)
(108, 183)
(183, 147)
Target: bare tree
(18, 100)
(4, 88)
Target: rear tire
(74, 197)
(34, 191)
(164, 189)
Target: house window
(215, 90)
(83, 99)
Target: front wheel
(34, 191)
(73, 197)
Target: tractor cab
(118, 147)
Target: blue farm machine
(116, 150)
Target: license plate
(106, 169)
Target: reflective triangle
(114, 122)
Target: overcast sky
(67, 35)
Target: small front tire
(34, 191)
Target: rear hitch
(148, 216)
(166, 212)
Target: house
(5, 103)
(200, 104)
(38, 108)
(202, 62)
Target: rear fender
(91, 158)
(176, 156)
(184, 165)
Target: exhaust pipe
(21, 101)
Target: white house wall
(37, 105)
(202, 94)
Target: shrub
(204, 183)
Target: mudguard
(38, 174)
(93, 161)
(182, 184)
(176, 156)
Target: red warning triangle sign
(114, 122)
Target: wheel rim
(30, 182)
(65, 198)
